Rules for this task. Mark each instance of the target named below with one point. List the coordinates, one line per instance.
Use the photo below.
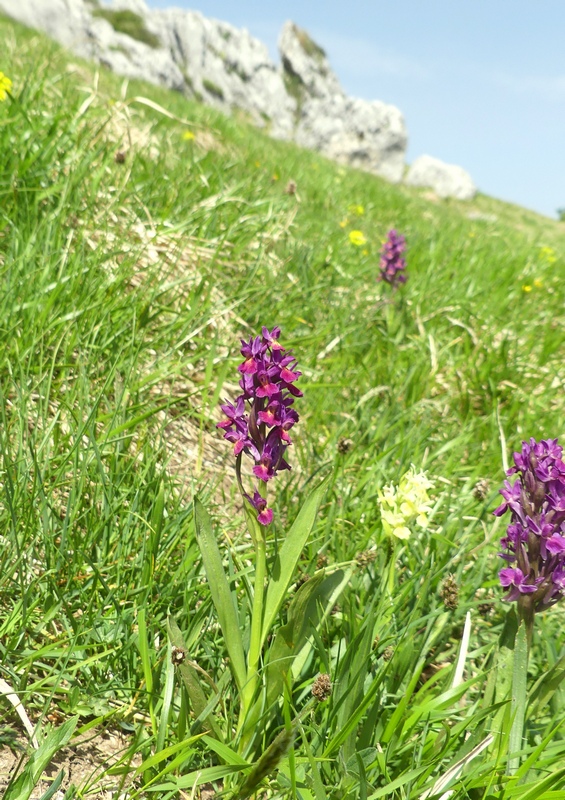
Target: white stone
(447, 180)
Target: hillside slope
(140, 236)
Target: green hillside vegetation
(141, 235)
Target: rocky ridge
(301, 100)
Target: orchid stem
(257, 613)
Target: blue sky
(481, 83)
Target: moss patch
(130, 23)
(212, 88)
(295, 87)
(309, 45)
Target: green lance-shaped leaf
(267, 763)
(189, 677)
(220, 591)
(304, 613)
(288, 557)
(519, 696)
(23, 787)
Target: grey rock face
(447, 180)
(368, 135)
(72, 24)
(306, 63)
(227, 67)
(66, 21)
(137, 6)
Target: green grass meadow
(126, 284)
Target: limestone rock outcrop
(301, 99)
(364, 134)
(227, 68)
(79, 26)
(446, 180)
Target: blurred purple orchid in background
(393, 263)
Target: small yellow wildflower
(356, 238)
(548, 254)
(357, 210)
(344, 223)
(405, 504)
(5, 86)
(538, 283)
(257, 164)
(526, 288)
(275, 176)
(188, 136)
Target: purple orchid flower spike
(534, 544)
(392, 263)
(259, 421)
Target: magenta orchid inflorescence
(535, 539)
(393, 263)
(259, 421)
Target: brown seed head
(178, 655)
(388, 653)
(322, 688)
(481, 489)
(449, 593)
(365, 558)
(290, 187)
(120, 157)
(344, 445)
(486, 608)
(322, 561)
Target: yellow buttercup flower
(188, 136)
(357, 210)
(526, 288)
(5, 86)
(357, 238)
(548, 254)
(538, 283)
(406, 504)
